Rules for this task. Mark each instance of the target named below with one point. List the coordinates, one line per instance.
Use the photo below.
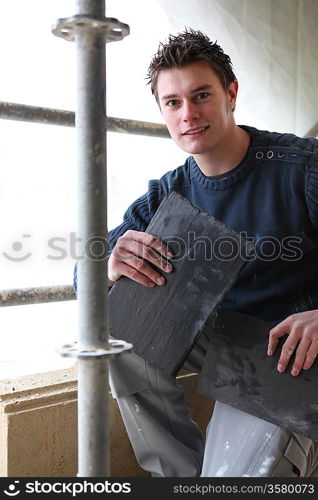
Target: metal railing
(36, 295)
(49, 116)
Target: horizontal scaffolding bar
(25, 296)
(50, 116)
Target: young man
(264, 185)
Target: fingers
(300, 355)
(311, 355)
(275, 334)
(135, 272)
(302, 341)
(140, 257)
(148, 240)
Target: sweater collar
(233, 176)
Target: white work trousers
(168, 443)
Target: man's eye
(202, 95)
(172, 103)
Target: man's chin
(185, 146)
(192, 150)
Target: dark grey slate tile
(163, 322)
(238, 372)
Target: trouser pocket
(293, 462)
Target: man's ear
(232, 94)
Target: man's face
(196, 108)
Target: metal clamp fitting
(111, 28)
(116, 348)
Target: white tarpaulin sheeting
(273, 45)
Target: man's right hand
(131, 257)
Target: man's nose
(190, 111)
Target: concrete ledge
(38, 426)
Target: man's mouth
(194, 131)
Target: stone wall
(38, 426)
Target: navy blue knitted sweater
(270, 197)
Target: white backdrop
(273, 45)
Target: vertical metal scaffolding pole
(90, 30)
(92, 223)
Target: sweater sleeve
(137, 216)
(312, 186)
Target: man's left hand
(302, 331)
